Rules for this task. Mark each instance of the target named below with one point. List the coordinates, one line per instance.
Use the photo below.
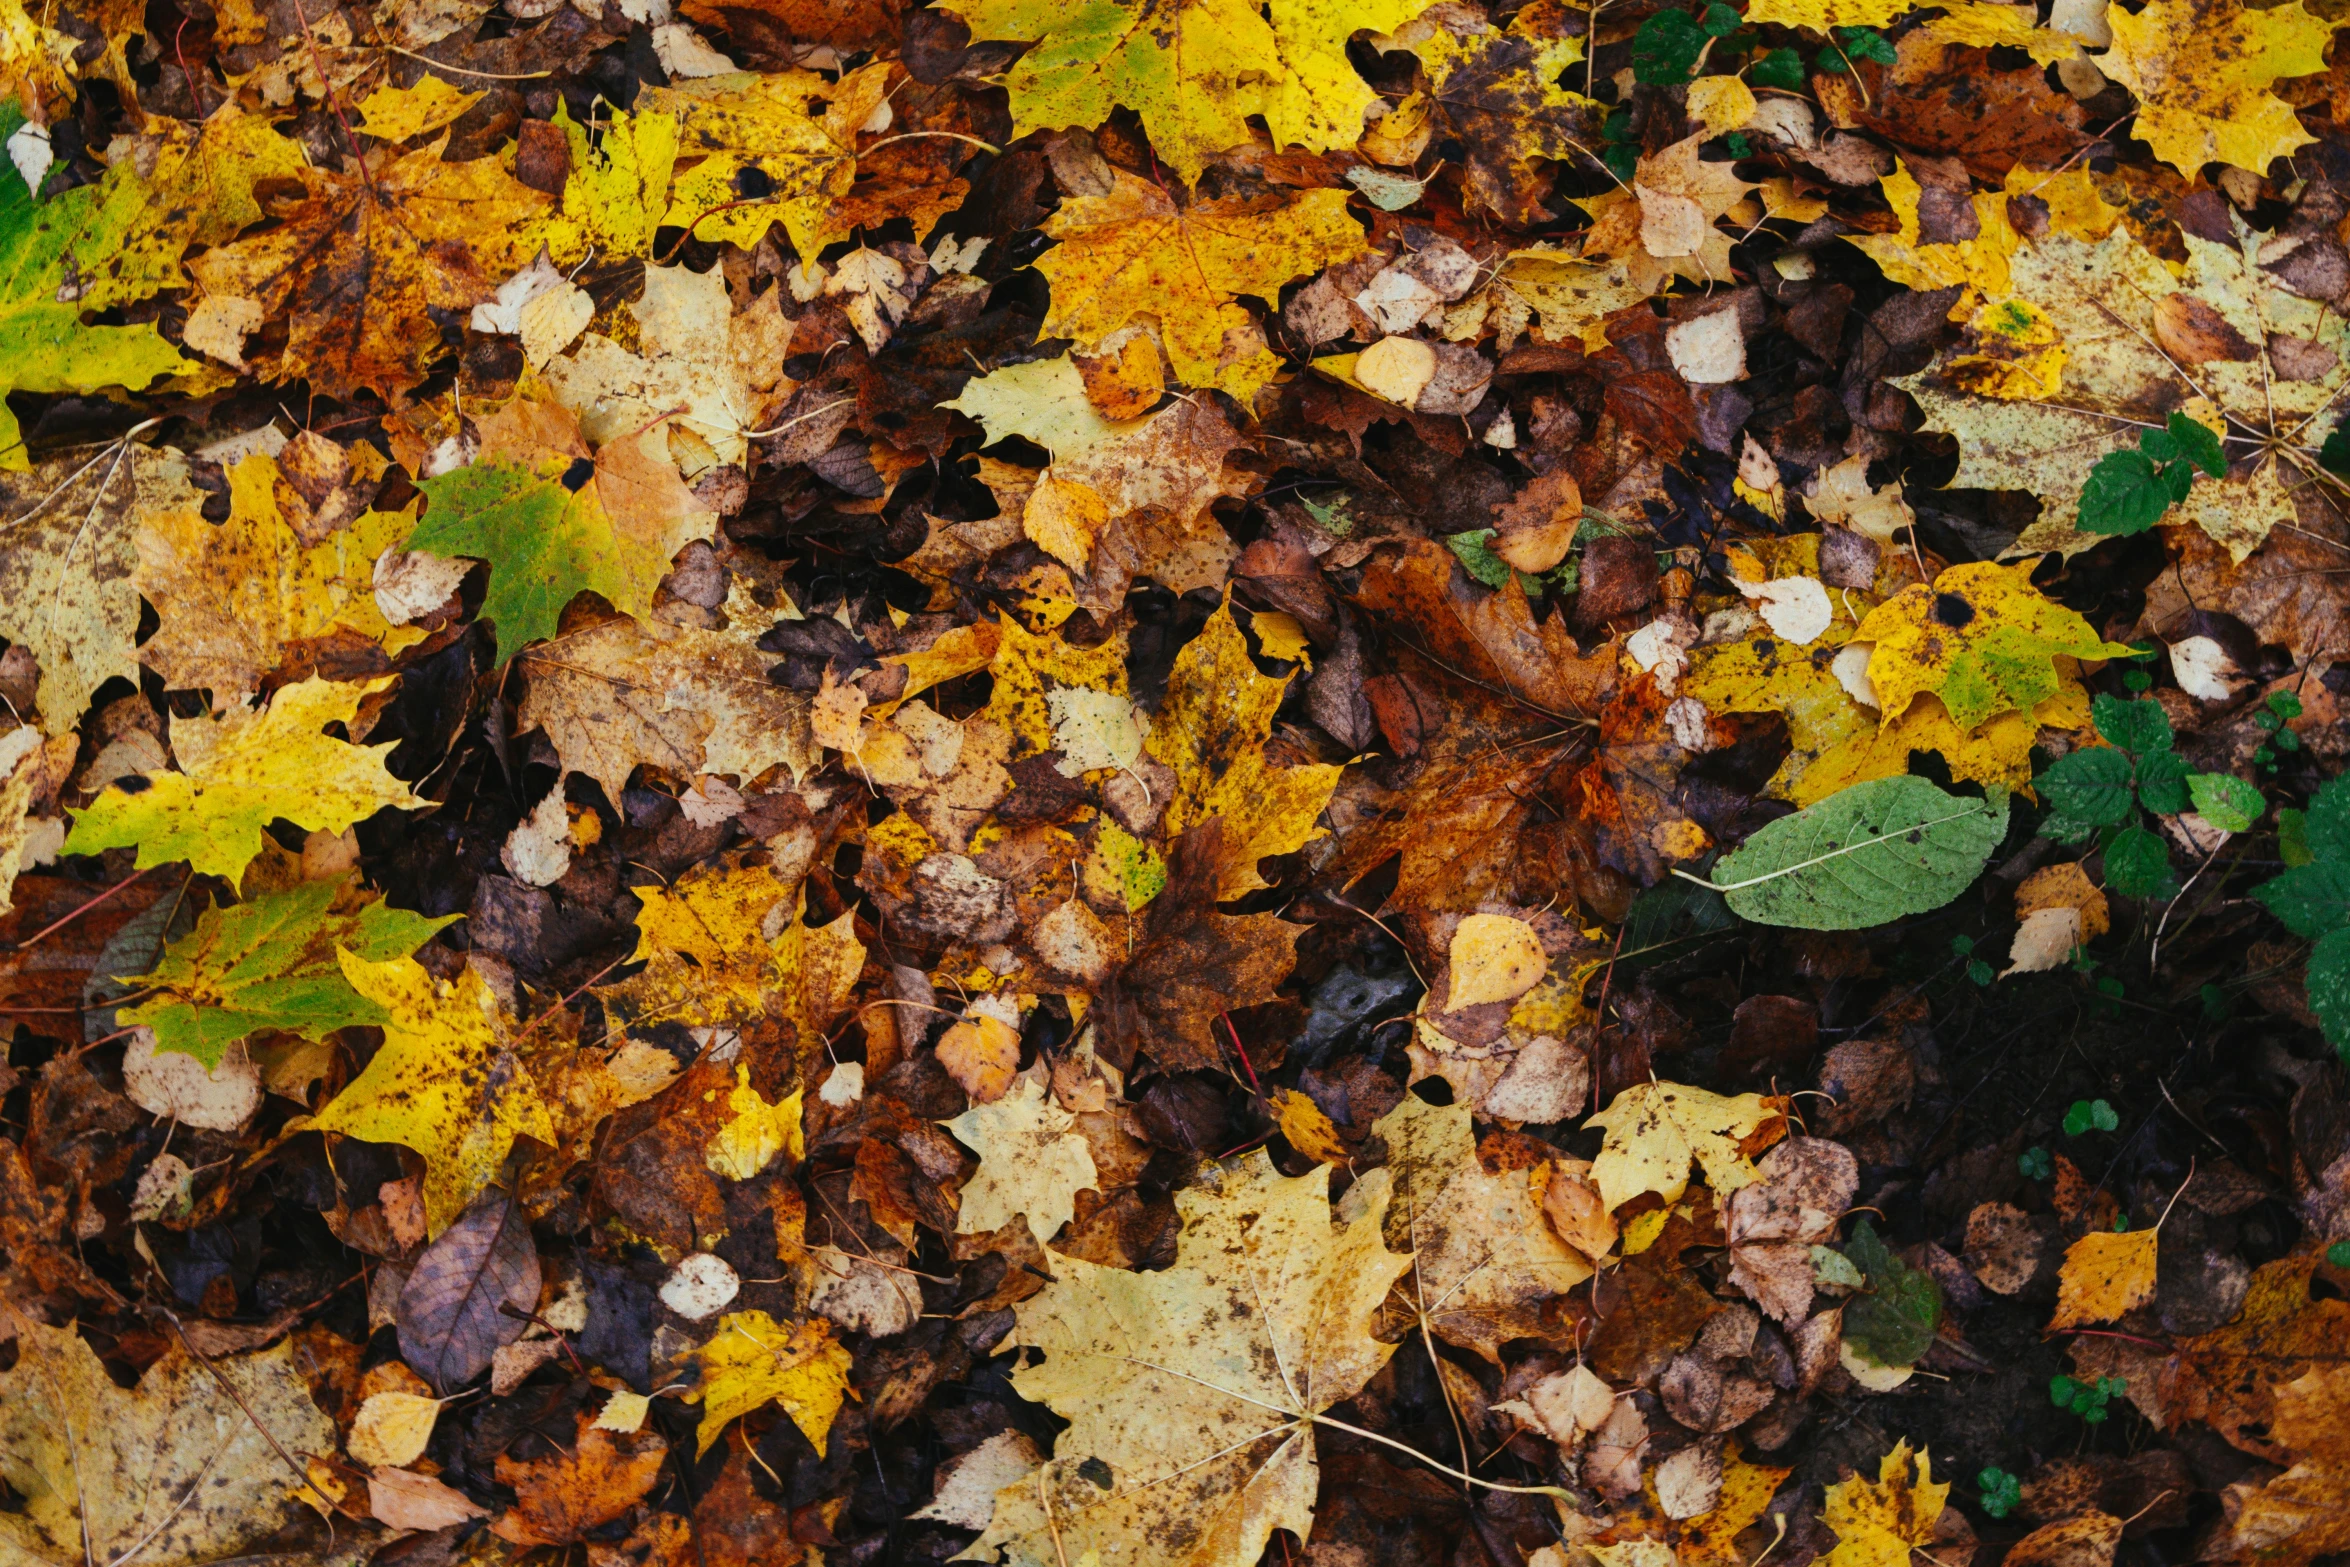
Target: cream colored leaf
(1030, 1163)
(1193, 1389)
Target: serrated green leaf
(2225, 801)
(1665, 49)
(2328, 821)
(1892, 1323)
(547, 539)
(2328, 984)
(1871, 853)
(2312, 899)
(2293, 836)
(2089, 786)
(1783, 69)
(2137, 864)
(2136, 726)
(270, 964)
(2125, 494)
(2162, 782)
(2198, 444)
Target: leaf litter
(1203, 784)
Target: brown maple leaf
(1191, 963)
(362, 259)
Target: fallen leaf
(753, 1361)
(1030, 1164)
(361, 257)
(2202, 70)
(2104, 1275)
(1656, 1131)
(1132, 252)
(271, 964)
(451, 1316)
(445, 1082)
(67, 592)
(391, 1429)
(186, 1466)
(1878, 1523)
(560, 1500)
(240, 772)
(1170, 1380)
(1486, 1262)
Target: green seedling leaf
(2196, 442)
(2138, 727)
(2090, 786)
(2225, 801)
(2001, 1492)
(2137, 865)
(1665, 49)
(2087, 1115)
(2162, 782)
(2126, 494)
(2328, 983)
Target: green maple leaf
(44, 346)
(547, 539)
(271, 964)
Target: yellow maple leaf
(1979, 263)
(1502, 94)
(1879, 1522)
(756, 1133)
(2136, 342)
(617, 192)
(1191, 1392)
(724, 947)
(1487, 1259)
(241, 772)
(187, 1466)
(2202, 71)
(1981, 637)
(363, 258)
(1168, 464)
(1663, 224)
(1656, 1130)
(1212, 731)
(1037, 676)
(1194, 70)
(398, 113)
(753, 1361)
(700, 370)
(232, 598)
(746, 129)
(446, 1082)
(1132, 253)
(66, 589)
